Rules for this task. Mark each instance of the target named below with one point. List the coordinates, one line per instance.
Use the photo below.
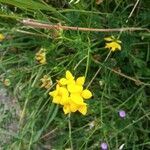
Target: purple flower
(104, 146)
(122, 114)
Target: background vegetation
(42, 124)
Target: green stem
(98, 70)
(69, 125)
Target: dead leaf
(98, 2)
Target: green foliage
(42, 125)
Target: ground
(104, 42)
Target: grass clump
(114, 61)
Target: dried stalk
(36, 24)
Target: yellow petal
(66, 109)
(53, 93)
(63, 81)
(70, 81)
(82, 109)
(73, 107)
(116, 46)
(69, 75)
(109, 39)
(119, 47)
(77, 99)
(2, 37)
(113, 46)
(73, 88)
(86, 94)
(57, 87)
(63, 91)
(80, 80)
(57, 99)
(118, 41)
(64, 100)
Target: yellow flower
(41, 56)
(113, 46)
(46, 82)
(112, 43)
(70, 107)
(68, 80)
(2, 37)
(60, 95)
(70, 93)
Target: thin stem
(36, 24)
(80, 62)
(69, 125)
(99, 69)
(138, 82)
(132, 10)
(23, 112)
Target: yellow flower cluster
(70, 94)
(2, 37)
(112, 43)
(41, 56)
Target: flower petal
(66, 109)
(77, 99)
(53, 93)
(109, 39)
(63, 92)
(69, 75)
(73, 88)
(73, 107)
(57, 99)
(83, 109)
(86, 94)
(63, 81)
(118, 41)
(80, 80)
(113, 46)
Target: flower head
(2, 37)
(7, 82)
(41, 56)
(60, 95)
(69, 79)
(69, 107)
(112, 43)
(70, 94)
(46, 82)
(104, 146)
(122, 114)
